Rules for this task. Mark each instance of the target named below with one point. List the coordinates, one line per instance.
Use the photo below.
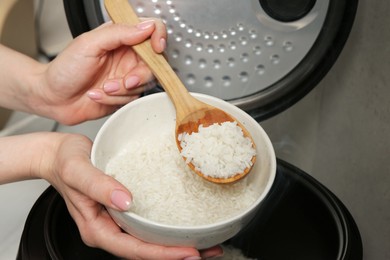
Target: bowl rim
(224, 222)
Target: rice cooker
(262, 56)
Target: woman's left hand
(87, 191)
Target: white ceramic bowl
(134, 120)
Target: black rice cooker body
(300, 219)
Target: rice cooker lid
(261, 55)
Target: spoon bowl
(207, 116)
(190, 112)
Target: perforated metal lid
(261, 55)
(231, 49)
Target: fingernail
(132, 82)
(192, 258)
(111, 86)
(145, 24)
(121, 199)
(95, 95)
(163, 44)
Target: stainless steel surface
(231, 49)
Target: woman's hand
(86, 190)
(64, 161)
(98, 72)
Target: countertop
(16, 200)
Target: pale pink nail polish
(132, 82)
(163, 44)
(145, 25)
(94, 95)
(121, 199)
(111, 86)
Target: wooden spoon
(190, 112)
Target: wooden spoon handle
(120, 11)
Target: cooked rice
(219, 150)
(165, 190)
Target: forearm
(20, 76)
(27, 156)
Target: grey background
(340, 132)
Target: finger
(133, 92)
(92, 182)
(138, 76)
(97, 229)
(142, 89)
(159, 36)
(136, 82)
(99, 96)
(129, 247)
(113, 36)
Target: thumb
(82, 176)
(103, 188)
(77, 172)
(73, 170)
